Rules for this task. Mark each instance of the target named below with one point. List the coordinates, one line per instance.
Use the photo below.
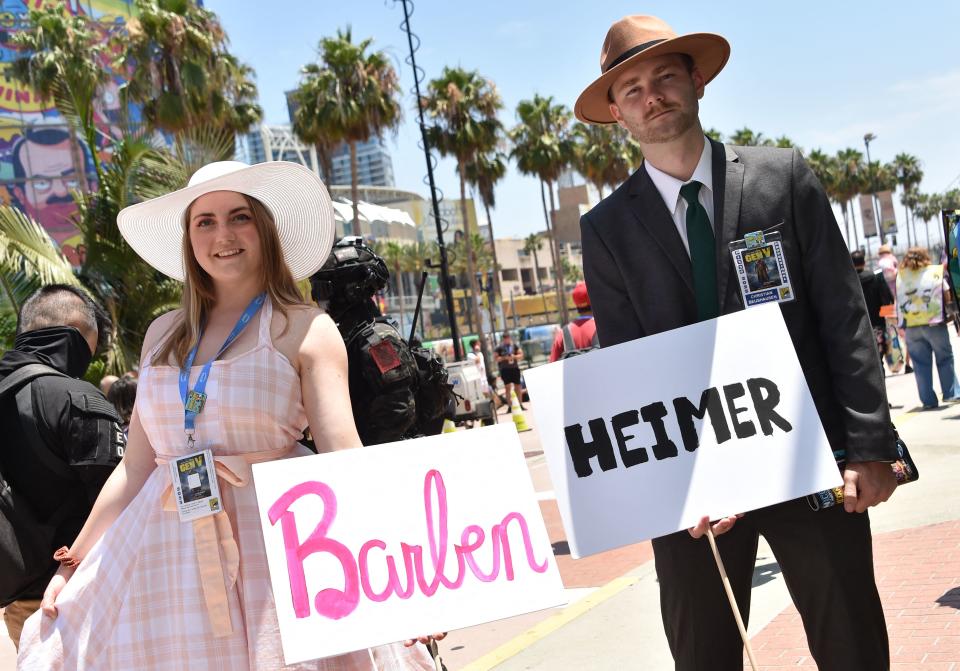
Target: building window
(509, 274)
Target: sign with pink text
(380, 544)
(645, 438)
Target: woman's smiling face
(224, 237)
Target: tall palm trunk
(536, 273)
(496, 297)
(553, 256)
(536, 283)
(471, 266)
(906, 220)
(846, 223)
(853, 217)
(354, 191)
(558, 262)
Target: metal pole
(444, 267)
(873, 194)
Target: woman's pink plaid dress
(136, 601)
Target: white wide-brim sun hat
(295, 196)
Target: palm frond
(25, 247)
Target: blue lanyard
(194, 400)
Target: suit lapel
(648, 207)
(728, 187)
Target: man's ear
(615, 113)
(698, 81)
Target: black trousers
(827, 562)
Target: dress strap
(266, 317)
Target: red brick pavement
(594, 571)
(918, 574)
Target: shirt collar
(669, 186)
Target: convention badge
(754, 239)
(195, 487)
(761, 269)
(195, 402)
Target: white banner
(379, 544)
(625, 430)
(888, 218)
(868, 216)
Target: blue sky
(822, 73)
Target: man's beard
(680, 122)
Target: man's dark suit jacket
(640, 281)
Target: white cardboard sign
(380, 544)
(628, 455)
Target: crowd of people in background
(922, 307)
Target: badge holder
(195, 486)
(761, 269)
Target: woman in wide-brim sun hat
(139, 588)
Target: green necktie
(703, 253)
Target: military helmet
(353, 273)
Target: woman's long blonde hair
(916, 258)
(198, 296)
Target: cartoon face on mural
(46, 174)
(40, 165)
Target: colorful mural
(41, 162)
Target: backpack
(569, 346)
(25, 543)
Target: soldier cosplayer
(397, 391)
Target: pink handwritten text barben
(336, 603)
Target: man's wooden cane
(731, 598)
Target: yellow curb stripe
(905, 417)
(550, 625)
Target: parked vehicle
(473, 403)
(536, 341)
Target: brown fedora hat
(638, 37)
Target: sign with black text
(645, 438)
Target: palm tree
(531, 245)
(463, 106)
(543, 146)
(909, 174)
(714, 134)
(28, 260)
(849, 183)
(571, 271)
(825, 168)
(63, 64)
(348, 96)
(483, 174)
(747, 138)
(605, 155)
(785, 143)
(177, 66)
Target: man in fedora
(657, 256)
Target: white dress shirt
(669, 188)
